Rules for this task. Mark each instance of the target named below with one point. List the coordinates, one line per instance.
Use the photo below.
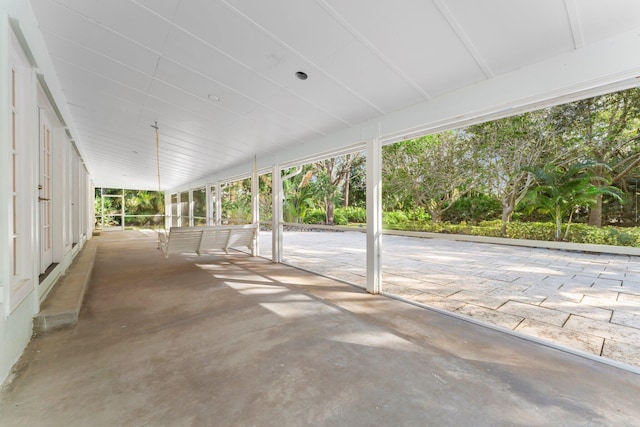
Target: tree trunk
(346, 187)
(435, 216)
(507, 211)
(595, 215)
(558, 235)
(329, 216)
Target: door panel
(46, 252)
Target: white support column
(101, 208)
(191, 221)
(168, 217)
(218, 203)
(255, 208)
(177, 219)
(277, 229)
(123, 210)
(374, 216)
(209, 204)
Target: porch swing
(201, 239)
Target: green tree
(432, 171)
(299, 195)
(605, 129)
(505, 149)
(266, 197)
(236, 201)
(144, 207)
(560, 190)
(332, 181)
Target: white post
(209, 204)
(179, 209)
(255, 207)
(102, 208)
(218, 204)
(191, 221)
(277, 229)
(374, 216)
(168, 217)
(123, 211)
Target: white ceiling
(122, 65)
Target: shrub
(314, 216)
(418, 215)
(353, 214)
(339, 218)
(318, 216)
(419, 220)
(578, 233)
(394, 218)
(582, 233)
(531, 230)
(473, 209)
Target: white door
(46, 252)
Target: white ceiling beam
(574, 23)
(242, 64)
(373, 49)
(288, 47)
(209, 45)
(603, 63)
(464, 38)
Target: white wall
(17, 272)
(71, 192)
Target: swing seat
(205, 239)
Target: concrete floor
(238, 341)
(589, 302)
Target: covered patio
(188, 96)
(235, 340)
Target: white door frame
(44, 193)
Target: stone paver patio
(586, 301)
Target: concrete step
(61, 307)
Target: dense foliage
(572, 164)
(138, 208)
(579, 233)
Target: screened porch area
(420, 121)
